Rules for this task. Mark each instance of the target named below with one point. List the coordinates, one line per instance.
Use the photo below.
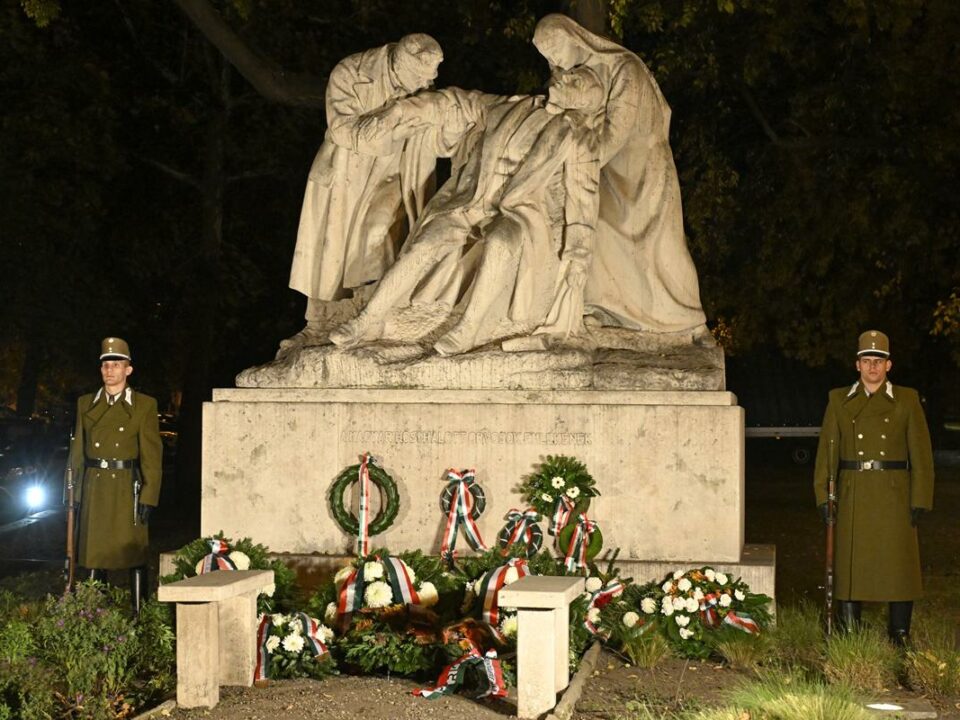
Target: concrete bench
(216, 632)
(543, 638)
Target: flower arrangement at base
(292, 646)
(220, 553)
(561, 487)
(691, 609)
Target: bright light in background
(35, 497)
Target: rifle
(70, 565)
(831, 524)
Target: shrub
(862, 660)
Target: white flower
(593, 584)
(330, 614)
(698, 593)
(378, 594)
(692, 605)
(721, 579)
(240, 559)
(342, 575)
(508, 626)
(679, 603)
(269, 590)
(682, 620)
(667, 586)
(648, 605)
(296, 627)
(278, 620)
(593, 615)
(573, 492)
(711, 575)
(410, 573)
(739, 595)
(273, 642)
(677, 574)
(428, 594)
(684, 585)
(725, 600)
(667, 609)
(511, 575)
(547, 497)
(686, 634)
(372, 570)
(293, 643)
(630, 619)
(558, 482)
(324, 634)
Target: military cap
(873, 342)
(113, 348)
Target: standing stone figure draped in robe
(641, 276)
(490, 237)
(358, 206)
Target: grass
(933, 662)
(798, 640)
(744, 652)
(862, 660)
(648, 650)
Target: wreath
(389, 499)
(559, 478)
(479, 499)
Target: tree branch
(178, 175)
(163, 71)
(268, 78)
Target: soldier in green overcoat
(118, 454)
(875, 437)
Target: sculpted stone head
(578, 88)
(556, 39)
(414, 61)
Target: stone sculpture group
(562, 213)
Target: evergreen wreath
(389, 497)
(559, 476)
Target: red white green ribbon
(460, 514)
(742, 621)
(400, 582)
(708, 610)
(599, 600)
(452, 676)
(310, 629)
(363, 514)
(521, 527)
(576, 556)
(217, 559)
(350, 598)
(490, 587)
(561, 515)
(262, 669)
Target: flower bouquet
(292, 646)
(561, 487)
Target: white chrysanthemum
(330, 614)
(725, 600)
(682, 620)
(324, 634)
(573, 492)
(667, 586)
(667, 609)
(721, 579)
(278, 620)
(240, 559)
(677, 574)
(410, 573)
(686, 634)
(692, 605)
(630, 619)
(342, 575)
(511, 575)
(428, 594)
(295, 627)
(679, 603)
(269, 590)
(558, 482)
(648, 605)
(273, 642)
(698, 593)
(372, 570)
(684, 585)
(293, 643)
(378, 594)
(593, 615)
(508, 626)
(711, 575)
(546, 497)
(593, 584)
(739, 595)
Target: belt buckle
(104, 464)
(867, 465)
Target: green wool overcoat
(129, 429)
(876, 554)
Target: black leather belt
(112, 464)
(874, 465)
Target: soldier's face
(873, 370)
(115, 372)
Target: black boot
(898, 623)
(98, 574)
(848, 613)
(139, 589)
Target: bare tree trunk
(592, 14)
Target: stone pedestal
(668, 464)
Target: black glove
(143, 512)
(824, 513)
(916, 514)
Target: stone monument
(543, 301)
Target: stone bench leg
(238, 639)
(198, 655)
(543, 663)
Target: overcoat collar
(99, 405)
(888, 390)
